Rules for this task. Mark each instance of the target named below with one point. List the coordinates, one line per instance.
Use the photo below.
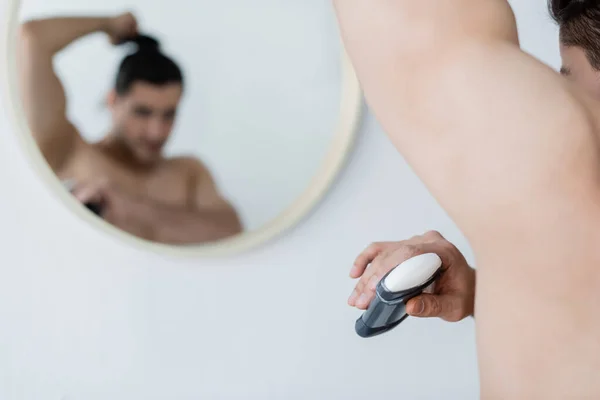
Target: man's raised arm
(509, 149)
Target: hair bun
(144, 43)
(564, 11)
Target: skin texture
(509, 148)
(168, 200)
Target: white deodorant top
(413, 272)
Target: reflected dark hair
(579, 22)
(147, 64)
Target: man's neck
(115, 148)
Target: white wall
(85, 318)
(263, 83)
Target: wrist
(104, 24)
(473, 285)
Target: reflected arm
(42, 93)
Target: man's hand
(454, 295)
(95, 192)
(121, 27)
(117, 206)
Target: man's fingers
(364, 300)
(433, 235)
(353, 297)
(364, 259)
(87, 194)
(432, 306)
(424, 306)
(361, 288)
(94, 193)
(364, 292)
(381, 263)
(365, 287)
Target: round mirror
(201, 127)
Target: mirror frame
(341, 145)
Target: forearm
(54, 34)
(42, 93)
(179, 225)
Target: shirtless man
(510, 149)
(168, 200)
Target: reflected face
(144, 117)
(577, 68)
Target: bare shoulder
(203, 188)
(189, 164)
(191, 167)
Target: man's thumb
(426, 306)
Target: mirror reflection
(181, 128)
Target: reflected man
(125, 177)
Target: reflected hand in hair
(454, 295)
(121, 28)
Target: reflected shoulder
(190, 165)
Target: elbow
(235, 224)
(29, 37)
(28, 31)
(231, 225)
(33, 38)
